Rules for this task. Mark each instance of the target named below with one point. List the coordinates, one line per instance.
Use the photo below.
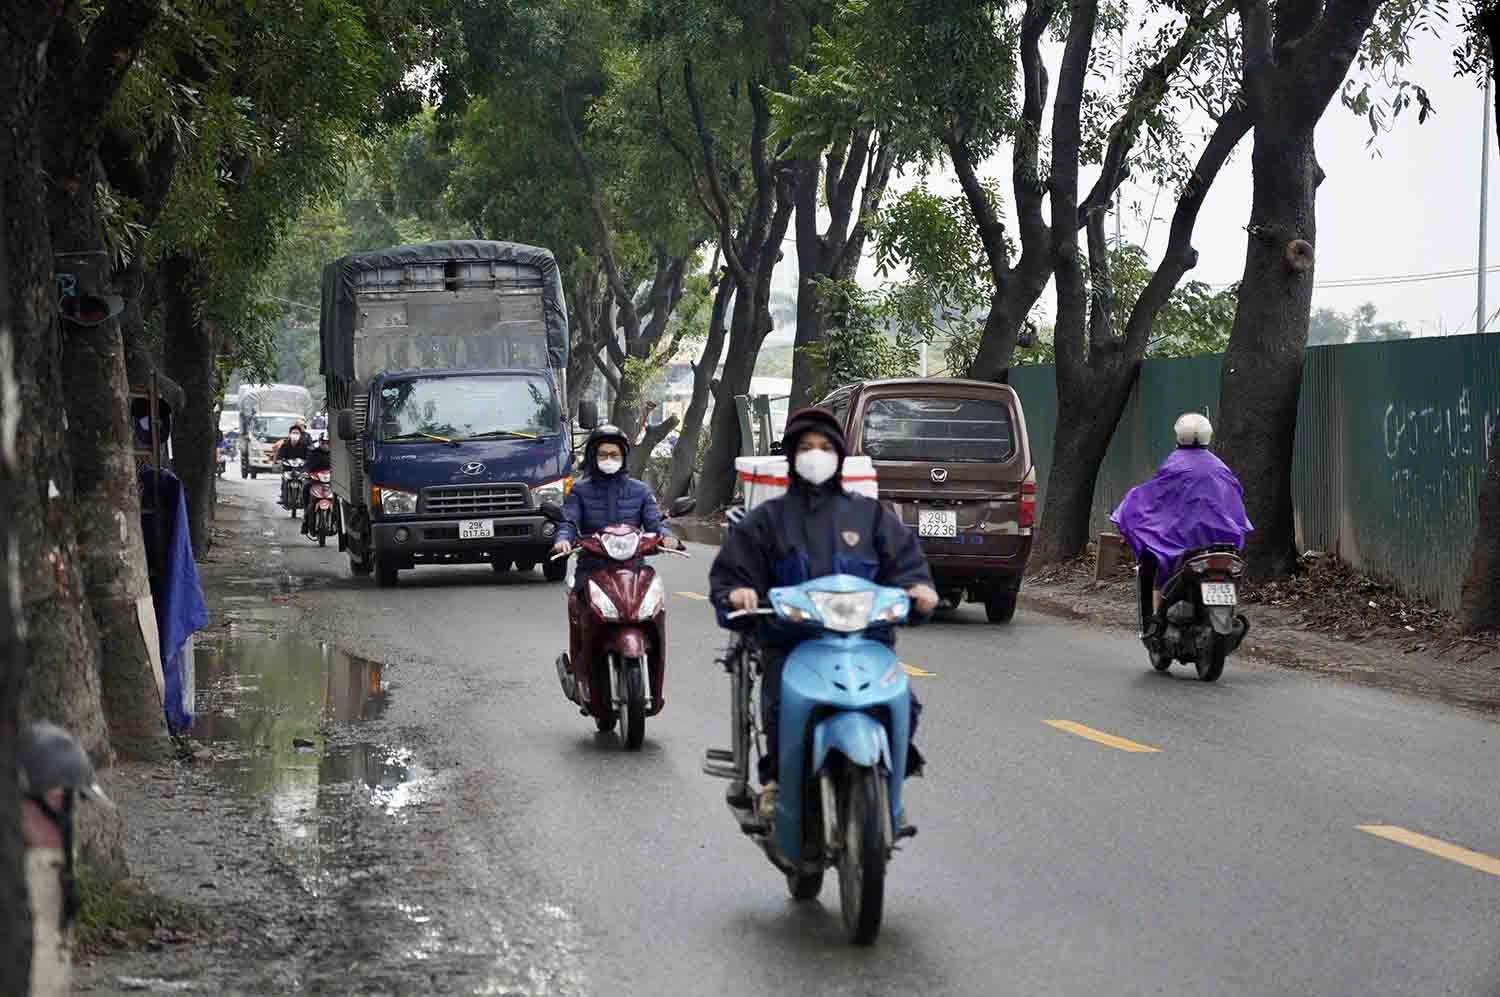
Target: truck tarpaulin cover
(342, 280)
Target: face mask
(817, 466)
(610, 466)
(296, 437)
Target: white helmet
(1193, 430)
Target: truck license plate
(937, 523)
(476, 529)
(1218, 594)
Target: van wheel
(500, 565)
(386, 572)
(1000, 605)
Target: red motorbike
(321, 523)
(617, 632)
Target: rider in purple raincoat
(1193, 501)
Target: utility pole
(1484, 193)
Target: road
(1087, 826)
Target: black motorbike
(1197, 624)
(293, 480)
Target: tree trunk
(25, 314)
(809, 368)
(716, 484)
(189, 349)
(1262, 373)
(689, 441)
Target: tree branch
(1101, 287)
(1255, 30)
(609, 375)
(721, 215)
(1067, 112)
(991, 228)
(114, 41)
(1321, 58)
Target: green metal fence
(1392, 444)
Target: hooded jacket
(812, 531)
(599, 500)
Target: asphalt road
(1268, 842)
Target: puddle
(288, 724)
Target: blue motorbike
(845, 721)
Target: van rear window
(939, 429)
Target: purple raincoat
(1194, 501)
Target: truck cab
(456, 464)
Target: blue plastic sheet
(180, 609)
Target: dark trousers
(773, 659)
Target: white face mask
(296, 437)
(611, 466)
(817, 466)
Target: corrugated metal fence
(1392, 443)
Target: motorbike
(616, 659)
(226, 452)
(292, 480)
(1200, 626)
(840, 804)
(323, 516)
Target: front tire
(862, 858)
(804, 886)
(633, 720)
(1218, 650)
(554, 571)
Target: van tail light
(1027, 514)
(1222, 564)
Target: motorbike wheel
(1159, 661)
(554, 571)
(862, 858)
(804, 886)
(605, 724)
(1218, 650)
(633, 721)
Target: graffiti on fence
(1436, 452)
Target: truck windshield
(459, 408)
(939, 429)
(273, 427)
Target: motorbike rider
(1193, 501)
(295, 446)
(607, 496)
(319, 458)
(815, 529)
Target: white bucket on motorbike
(765, 478)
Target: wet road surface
(1087, 826)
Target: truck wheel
(525, 566)
(244, 470)
(386, 572)
(1000, 604)
(555, 571)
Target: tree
(1479, 600)
(1294, 64)
(1327, 327)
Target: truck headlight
(552, 491)
(395, 502)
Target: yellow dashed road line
(1433, 846)
(1099, 737)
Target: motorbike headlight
(621, 547)
(794, 613)
(395, 502)
(896, 612)
(603, 604)
(845, 612)
(552, 491)
(651, 604)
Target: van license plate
(937, 523)
(476, 529)
(1218, 594)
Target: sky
(1408, 205)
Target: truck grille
(475, 500)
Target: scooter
(292, 480)
(617, 649)
(323, 517)
(840, 804)
(1199, 625)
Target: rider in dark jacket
(605, 496)
(816, 529)
(295, 446)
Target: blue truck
(446, 371)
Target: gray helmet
(51, 758)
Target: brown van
(954, 463)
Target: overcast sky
(1407, 206)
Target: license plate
(937, 523)
(476, 529)
(1218, 593)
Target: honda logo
(473, 467)
(939, 475)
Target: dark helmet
(819, 419)
(50, 758)
(603, 434)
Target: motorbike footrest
(906, 831)
(719, 755)
(720, 771)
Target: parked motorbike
(323, 516)
(1200, 626)
(292, 480)
(840, 804)
(617, 649)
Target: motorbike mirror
(588, 415)
(346, 428)
(684, 505)
(553, 512)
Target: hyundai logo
(473, 467)
(939, 475)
